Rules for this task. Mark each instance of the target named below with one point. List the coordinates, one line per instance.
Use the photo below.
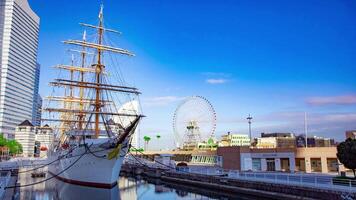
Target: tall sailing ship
(94, 133)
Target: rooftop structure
(230, 139)
(275, 142)
(277, 135)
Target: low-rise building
(275, 142)
(254, 159)
(35, 141)
(44, 136)
(204, 158)
(317, 159)
(234, 140)
(309, 160)
(25, 135)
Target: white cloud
(332, 100)
(221, 74)
(161, 100)
(215, 81)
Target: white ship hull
(86, 168)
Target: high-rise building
(38, 111)
(37, 98)
(19, 28)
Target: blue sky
(273, 59)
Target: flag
(101, 11)
(114, 153)
(85, 35)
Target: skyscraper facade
(19, 29)
(36, 109)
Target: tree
(346, 153)
(3, 141)
(14, 147)
(158, 136)
(147, 140)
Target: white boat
(90, 146)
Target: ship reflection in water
(127, 189)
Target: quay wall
(228, 185)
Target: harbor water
(128, 188)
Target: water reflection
(127, 189)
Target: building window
(315, 164)
(256, 164)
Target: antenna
(249, 118)
(306, 129)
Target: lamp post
(249, 118)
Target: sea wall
(228, 185)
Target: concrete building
(317, 159)
(276, 142)
(234, 140)
(309, 160)
(25, 135)
(350, 134)
(19, 28)
(44, 136)
(204, 158)
(253, 159)
(320, 142)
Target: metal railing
(299, 179)
(319, 181)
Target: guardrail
(319, 181)
(305, 180)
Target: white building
(25, 135)
(44, 135)
(234, 140)
(19, 28)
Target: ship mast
(99, 68)
(76, 114)
(81, 89)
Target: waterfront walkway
(310, 180)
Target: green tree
(147, 140)
(14, 147)
(346, 153)
(3, 140)
(158, 137)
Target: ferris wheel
(194, 121)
